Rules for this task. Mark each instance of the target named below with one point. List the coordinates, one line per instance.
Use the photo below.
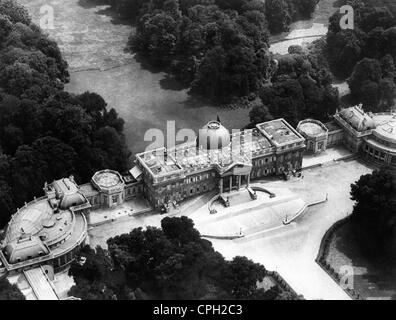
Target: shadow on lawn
(116, 19)
(379, 279)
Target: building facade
(49, 230)
(220, 161)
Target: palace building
(48, 231)
(219, 160)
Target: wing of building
(49, 230)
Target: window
(115, 198)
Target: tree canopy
(218, 48)
(369, 47)
(45, 132)
(374, 213)
(10, 291)
(173, 262)
(300, 88)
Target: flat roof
(280, 132)
(332, 126)
(189, 157)
(312, 128)
(88, 190)
(38, 219)
(385, 126)
(159, 162)
(107, 178)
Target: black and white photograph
(174, 151)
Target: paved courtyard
(332, 154)
(291, 250)
(135, 206)
(246, 216)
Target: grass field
(94, 43)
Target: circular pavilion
(315, 134)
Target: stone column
(221, 185)
(239, 182)
(231, 177)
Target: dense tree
(14, 12)
(278, 15)
(242, 276)
(373, 85)
(300, 88)
(374, 214)
(219, 48)
(374, 25)
(168, 263)
(45, 132)
(259, 114)
(94, 276)
(10, 291)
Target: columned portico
(230, 183)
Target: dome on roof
(213, 136)
(358, 119)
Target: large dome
(213, 136)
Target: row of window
(375, 153)
(191, 192)
(290, 156)
(262, 172)
(190, 180)
(291, 145)
(261, 162)
(133, 190)
(200, 177)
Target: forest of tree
(367, 54)
(374, 213)
(300, 88)
(45, 132)
(173, 262)
(10, 291)
(218, 48)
